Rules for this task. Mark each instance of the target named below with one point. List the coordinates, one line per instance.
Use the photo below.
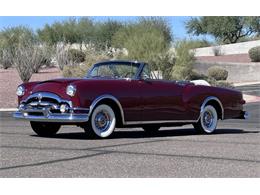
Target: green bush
(180, 73)
(184, 61)
(218, 73)
(5, 58)
(254, 54)
(92, 57)
(76, 56)
(10, 40)
(75, 71)
(220, 83)
(194, 75)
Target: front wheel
(102, 122)
(45, 129)
(208, 120)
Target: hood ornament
(39, 97)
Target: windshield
(114, 70)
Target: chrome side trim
(107, 96)
(209, 99)
(157, 122)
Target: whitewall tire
(102, 121)
(208, 120)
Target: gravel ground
(9, 80)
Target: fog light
(21, 106)
(63, 108)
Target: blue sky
(177, 23)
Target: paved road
(233, 151)
(250, 89)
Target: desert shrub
(61, 55)
(163, 63)
(10, 39)
(76, 56)
(92, 57)
(180, 73)
(5, 58)
(218, 73)
(74, 71)
(26, 57)
(217, 51)
(224, 84)
(193, 44)
(23, 50)
(184, 61)
(220, 83)
(254, 54)
(44, 57)
(148, 39)
(194, 75)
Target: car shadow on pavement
(141, 134)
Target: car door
(160, 100)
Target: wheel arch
(216, 103)
(111, 101)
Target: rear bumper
(243, 115)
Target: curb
(8, 109)
(246, 83)
(251, 98)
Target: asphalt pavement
(250, 89)
(232, 151)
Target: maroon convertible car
(124, 94)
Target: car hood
(61, 81)
(57, 86)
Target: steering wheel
(127, 75)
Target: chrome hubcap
(102, 121)
(208, 119)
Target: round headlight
(71, 90)
(20, 91)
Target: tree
(68, 31)
(105, 32)
(27, 59)
(82, 30)
(184, 60)
(227, 29)
(147, 40)
(21, 47)
(10, 38)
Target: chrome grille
(43, 102)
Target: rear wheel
(102, 122)
(45, 129)
(208, 120)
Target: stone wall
(237, 72)
(236, 48)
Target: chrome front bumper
(52, 117)
(37, 108)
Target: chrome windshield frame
(136, 76)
